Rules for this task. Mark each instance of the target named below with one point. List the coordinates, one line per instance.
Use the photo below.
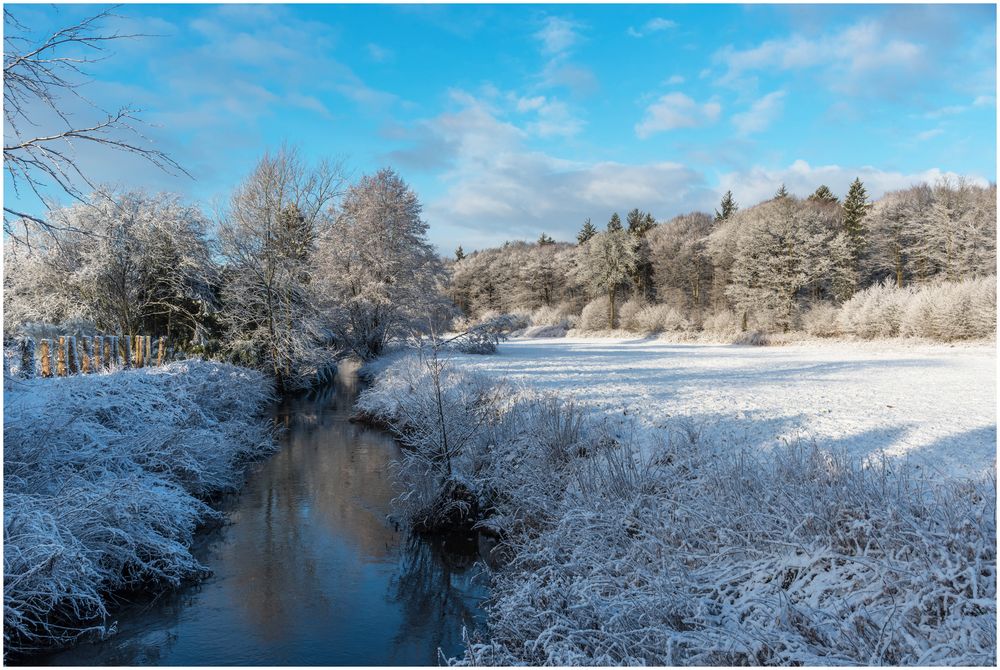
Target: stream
(309, 571)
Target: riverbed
(309, 570)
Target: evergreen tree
(856, 207)
(459, 253)
(545, 240)
(728, 205)
(824, 194)
(608, 264)
(782, 192)
(640, 223)
(615, 224)
(586, 232)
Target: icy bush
(660, 319)
(636, 548)
(104, 481)
(628, 315)
(952, 310)
(552, 316)
(484, 337)
(875, 311)
(943, 311)
(545, 331)
(821, 320)
(723, 322)
(594, 316)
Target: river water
(309, 571)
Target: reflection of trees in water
(439, 586)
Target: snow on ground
(932, 404)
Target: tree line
(764, 265)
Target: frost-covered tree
(615, 223)
(824, 194)
(782, 192)
(682, 267)
(268, 239)
(728, 207)
(639, 223)
(459, 253)
(544, 239)
(129, 262)
(607, 265)
(586, 232)
(378, 274)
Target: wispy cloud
(651, 26)
(557, 35)
(676, 110)
(762, 113)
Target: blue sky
(514, 120)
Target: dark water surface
(309, 572)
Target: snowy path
(935, 405)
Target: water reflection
(310, 572)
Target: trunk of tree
(611, 309)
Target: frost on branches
(631, 547)
(105, 478)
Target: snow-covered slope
(933, 404)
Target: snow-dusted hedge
(105, 478)
(594, 316)
(635, 548)
(941, 311)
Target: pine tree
(856, 207)
(459, 253)
(782, 192)
(824, 194)
(640, 223)
(615, 224)
(728, 205)
(545, 240)
(586, 232)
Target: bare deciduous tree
(41, 81)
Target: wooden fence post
(85, 355)
(61, 358)
(149, 350)
(162, 350)
(108, 356)
(138, 351)
(46, 358)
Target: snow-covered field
(933, 404)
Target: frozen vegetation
(106, 479)
(650, 514)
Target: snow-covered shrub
(545, 331)
(484, 337)
(594, 316)
(628, 315)
(821, 320)
(952, 310)
(875, 311)
(661, 319)
(942, 311)
(635, 548)
(551, 316)
(723, 322)
(104, 481)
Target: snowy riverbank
(659, 509)
(105, 481)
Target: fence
(63, 356)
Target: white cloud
(651, 26)
(929, 134)
(676, 110)
(983, 100)
(558, 35)
(496, 187)
(854, 59)
(761, 114)
(759, 183)
(674, 80)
